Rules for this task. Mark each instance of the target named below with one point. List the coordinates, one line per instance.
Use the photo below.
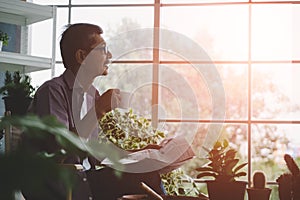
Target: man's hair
(76, 36)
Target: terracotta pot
(259, 194)
(17, 106)
(221, 191)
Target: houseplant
(130, 131)
(30, 166)
(259, 190)
(289, 183)
(17, 92)
(223, 167)
(3, 39)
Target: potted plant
(289, 183)
(224, 168)
(45, 143)
(259, 190)
(17, 92)
(130, 131)
(3, 39)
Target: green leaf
(240, 167)
(230, 165)
(201, 169)
(204, 174)
(241, 174)
(225, 143)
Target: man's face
(97, 61)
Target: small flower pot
(258, 194)
(17, 106)
(224, 190)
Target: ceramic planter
(224, 190)
(259, 194)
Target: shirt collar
(70, 80)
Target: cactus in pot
(289, 183)
(259, 190)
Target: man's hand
(108, 101)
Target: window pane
(216, 29)
(39, 77)
(59, 69)
(133, 78)
(62, 21)
(235, 82)
(183, 93)
(275, 32)
(275, 91)
(194, 92)
(269, 144)
(111, 1)
(41, 38)
(123, 28)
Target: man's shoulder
(56, 83)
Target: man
(85, 56)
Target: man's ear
(80, 55)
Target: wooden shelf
(23, 13)
(22, 62)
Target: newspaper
(173, 153)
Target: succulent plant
(289, 183)
(259, 180)
(259, 191)
(223, 165)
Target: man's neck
(84, 80)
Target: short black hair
(76, 36)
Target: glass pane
(275, 92)
(183, 93)
(216, 29)
(111, 1)
(62, 21)
(123, 29)
(275, 32)
(39, 77)
(59, 69)
(198, 92)
(133, 78)
(41, 38)
(269, 144)
(235, 82)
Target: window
(242, 83)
